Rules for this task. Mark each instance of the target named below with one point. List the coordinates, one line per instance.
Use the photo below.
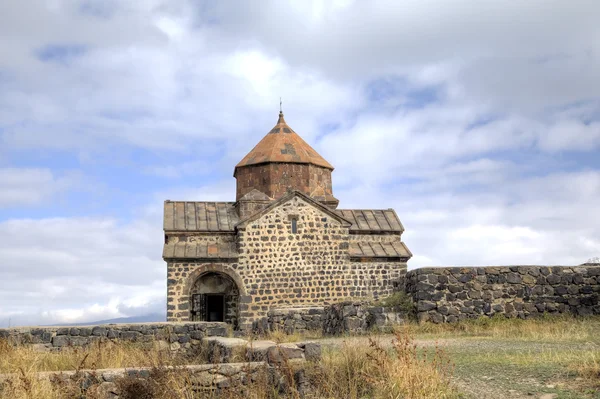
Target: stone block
(217, 331)
(220, 349)
(129, 335)
(283, 352)
(85, 332)
(435, 317)
(62, 331)
(99, 331)
(424, 306)
(553, 279)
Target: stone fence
(340, 318)
(292, 320)
(106, 383)
(178, 336)
(450, 294)
(359, 318)
(233, 364)
(205, 380)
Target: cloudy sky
(478, 121)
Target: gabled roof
(287, 197)
(372, 220)
(283, 145)
(199, 216)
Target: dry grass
(543, 329)
(279, 336)
(347, 372)
(566, 344)
(100, 355)
(28, 386)
(356, 372)
(589, 368)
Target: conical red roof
(283, 145)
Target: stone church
(283, 243)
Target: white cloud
(32, 186)
(473, 138)
(80, 269)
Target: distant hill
(149, 318)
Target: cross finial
(280, 110)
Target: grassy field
(552, 357)
(548, 358)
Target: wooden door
(198, 312)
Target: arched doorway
(214, 297)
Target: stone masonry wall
(178, 336)
(204, 378)
(281, 269)
(340, 318)
(458, 293)
(212, 242)
(274, 268)
(275, 179)
(181, 278)
(359, 318)
(310, 268)
(291, 320)
(383, 277)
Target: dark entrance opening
(214, 297)
(215, 307)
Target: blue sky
(479, 123)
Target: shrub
(398, 300)
(356, 372)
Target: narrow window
(294, 226)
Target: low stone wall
(340, 318)
(205, 378)
(457, 293)
(178, 336)
(104, 382)
(359, 318)
(225, 350)
(292, 320)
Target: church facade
(282, 243)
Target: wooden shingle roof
(372, 220)
(369, 249)
(199, 216)
(222, 217)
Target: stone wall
(182, 278)
(291, 320)
(104, 383)
(310, 268)
(283, 269)
(381, 276)
(177, 336)
(275, 179)
(341, 318)
(359, 318)
(458, 293)
(272, 267)
(205, 380)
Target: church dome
(283, 145)
(283, 162)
